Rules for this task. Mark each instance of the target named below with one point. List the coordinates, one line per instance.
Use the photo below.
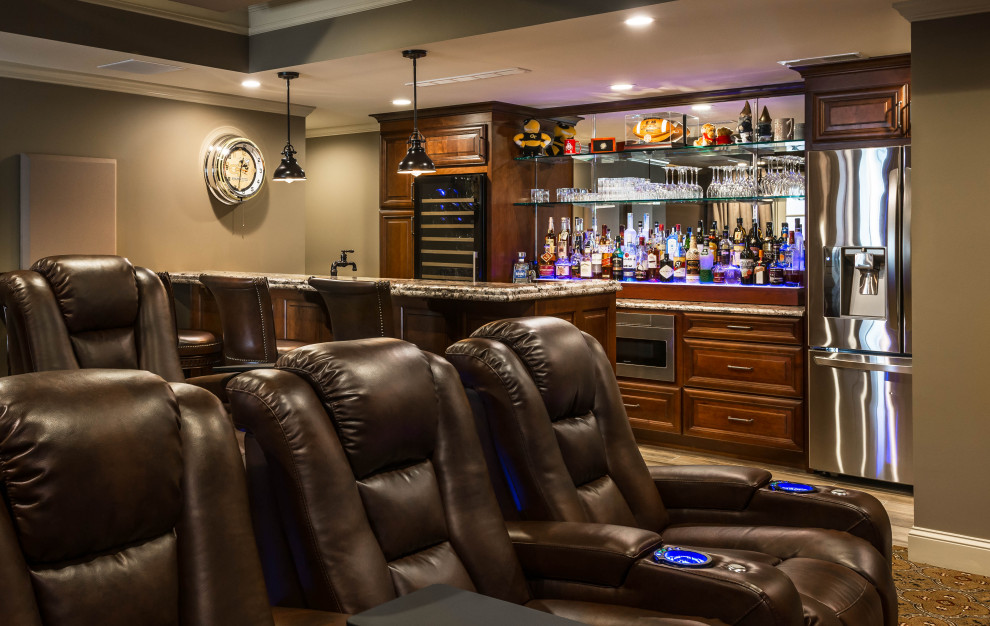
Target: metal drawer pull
(739, 368)
(631, 406)
(740, 420)
(732, 327)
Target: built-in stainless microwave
(644, 346)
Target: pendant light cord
(288, 115)
(415, 103)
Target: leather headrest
(557, 357)
(93, 292)
(92, 460)
(380, 394)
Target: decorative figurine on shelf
(531, 140)
(561, 133)
(764, 127)
(723, 136)
(744, 130)
(707, 135)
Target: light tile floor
(899, 502)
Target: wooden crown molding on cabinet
(136, 87)
(893, 61)
(920, 10)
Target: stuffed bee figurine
(561, 133)
(531, 140)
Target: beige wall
(342, 202)
(166, 218)
(950, 103)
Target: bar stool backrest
(246, 316)
(358, 309)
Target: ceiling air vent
(467, 77)
(140, 67)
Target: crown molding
(263, 18)
(921, 10)
(123, 85)
(235, 23)
(351, 129)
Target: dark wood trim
(718, 95)
(714, 293)
(851, 67)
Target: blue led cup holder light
(789, 487)
(681, 557)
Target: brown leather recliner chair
(358, 309)
(380, 488)
(124, 503)
(546, 398)
(86, 311)
(247, 319)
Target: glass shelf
(669, 201)
(732, 149)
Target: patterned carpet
(934, 596)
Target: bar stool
(358, 309)
(199, 350)
(247, 319)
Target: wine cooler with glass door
(449, 227)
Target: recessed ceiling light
(401, 102)
(251, 83)
(639, 20)
(701, 107)
(622, 87)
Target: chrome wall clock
(234, 169)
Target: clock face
(234, 169)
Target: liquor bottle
(563, 239)
(652, 261)
(606, 248)
(706, 263)
(586, 261)
(629, 261)
(617, 255)
(760, 271)
(576, 257)
(718, 273)
(547, 265)
(596, 258)
(713, 240)
(775, 272)
(725, 248)
(693, 260)
(645, 234)
(746, 265)
(680, 260)
(520, 270)
(733, 275)
(782, 240)
(665, 270)
(738, 241)
(699, 235)
(754, 242)
(672, 243)
(791, 275)
(630, 236)
(641, 262)
(769, 244)
(799, 248)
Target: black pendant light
(288, 170)
(417, 161)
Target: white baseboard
(949, 550)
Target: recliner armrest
(727, 487)
(600, 554)
(214, 383)
(284, 616)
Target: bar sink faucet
(343, 262)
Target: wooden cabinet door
(863, 114)
(457, 146)
(651, 406)
(395, 234)
(396, 188)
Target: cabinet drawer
(749, 368)
(651, 407)
(755, 328)
(742, 418)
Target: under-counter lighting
(640, 20)
(701, 107)
(622, 87)
(401, 102)
(251, 84)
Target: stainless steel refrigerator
(859, 312)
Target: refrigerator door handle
(896, 365)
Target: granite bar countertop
(439, 289)
(711, 307)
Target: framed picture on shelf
(602, 144)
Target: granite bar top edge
(711, 307)
(444, 290)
